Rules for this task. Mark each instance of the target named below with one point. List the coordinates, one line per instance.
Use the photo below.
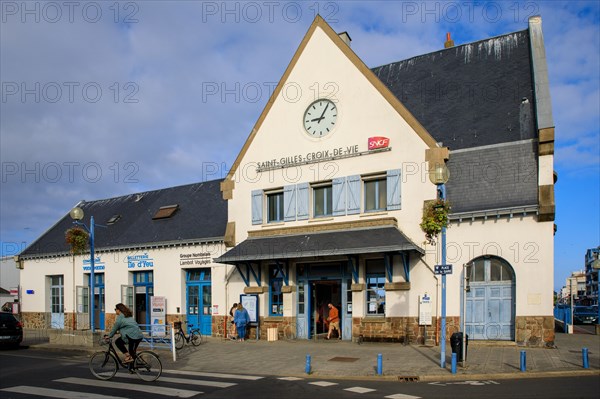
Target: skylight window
(113, 219)
(165, 212)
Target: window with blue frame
(275, 294)
(375, 273)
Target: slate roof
(201, 217)
(475, 98)
(468, 95)
(328, 243)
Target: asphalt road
(29, 373)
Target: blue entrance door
(490, 302)
(99, 309)
(199, 299)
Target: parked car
(11, 329)
(585, 315)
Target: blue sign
(140, 261)
(442, 269)
(30, 292)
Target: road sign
(442, 269)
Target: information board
(425, 310)
(250, 303)
(158, 315)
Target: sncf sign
(378, 142)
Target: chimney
(449, 42)
(345, 37)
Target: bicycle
(195, 336)
(105, 364)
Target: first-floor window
(275, 294)
(375, 195)
(275, 207)
(375, 287)
(322, 200)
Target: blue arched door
(490, 305)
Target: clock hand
(323, 114)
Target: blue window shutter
(393, 190)
(338, 189)
(353, 194)
(257, 206)
(302, 194)
(289, 203)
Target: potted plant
(78, 239)
(435, 217)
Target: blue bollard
(453, 367)
(307, 366)
(586, 360)
(523, 361)
(379, 364)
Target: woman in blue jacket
(129, 330)
(241, 318)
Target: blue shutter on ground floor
(302, 201)
(257, 207)
(338, 190)
(393, 190)
(289, 203)
(353, 194)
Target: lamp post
(439, 176)
(596, 266)
(77, 215)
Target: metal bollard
(586, 360)
(453, 367)
(307, 366)
(523, 361)
(379, 364)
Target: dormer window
(113, 219)
(165, 212)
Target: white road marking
(181, 393)
(56, 393)
(402, 396)
(359, 389)
(215, 375)
(290, 378)
(323, 383)
(184, 381)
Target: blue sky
(101, 99)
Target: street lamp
(439, 176)
(77, 215)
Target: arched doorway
(490, 307)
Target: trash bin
(456, 342)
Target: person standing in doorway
(334, 321)
(241, 319)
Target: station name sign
(375, 145)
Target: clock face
(320, 117)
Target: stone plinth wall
(401, 329)
(220, 326)
(37, 320)
(535, 331)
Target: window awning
(328, 243)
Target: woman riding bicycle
(131, 334)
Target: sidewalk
(338, 359)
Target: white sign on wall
(425, 310)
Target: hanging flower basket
(435, 217)
(78, 239)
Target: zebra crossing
(172, 383)
(126, 385)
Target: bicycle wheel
(103, 365)
(196, 338)
(289, 332)
(147, 366)
(179, 341)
